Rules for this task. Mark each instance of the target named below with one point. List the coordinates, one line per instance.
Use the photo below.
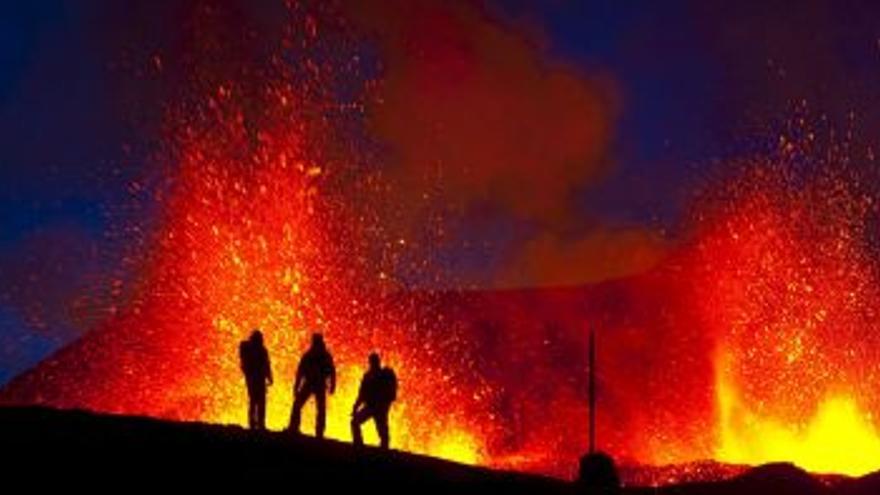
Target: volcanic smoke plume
(753, 341)
(471, 109)
(477, 122)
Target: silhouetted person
(313, 375)
(378, 390)
(257, 376)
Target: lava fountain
(790, 290)
(260, 225)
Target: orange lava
(250, 252)
(791, 297)
(838, 437)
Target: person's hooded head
(317, 341)
(375, 361)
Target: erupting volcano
(755, 339)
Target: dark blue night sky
(696, 81)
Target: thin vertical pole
(592, 391)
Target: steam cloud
(475, 116)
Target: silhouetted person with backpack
(257, 376)
(378, 390)
(315, 375)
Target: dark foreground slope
(83, 447)
(80, 449)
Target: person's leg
(321, 420)
(357, 419)
(381, 418)
(250, 392)
(261, 410)
(299, 400)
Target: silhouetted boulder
(781, 479)
(866, 485)
(598, 475)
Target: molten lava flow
(791, 296)
(838, 437)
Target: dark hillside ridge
(84, 449)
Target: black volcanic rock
(77, 449)
(780, 478)
(867, 485)
(597, 474)
(80, 448)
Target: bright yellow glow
(838, 437)
(456, 445)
